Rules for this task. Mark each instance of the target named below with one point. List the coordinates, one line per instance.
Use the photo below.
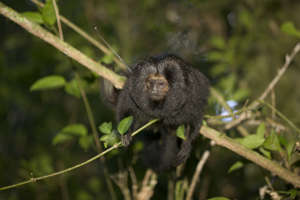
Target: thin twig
(87, 37)
(196, 176)
(255, 104)
(282, 116)
(61, 36)
(67, 49)
(79, 165)
(96, 137)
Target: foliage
(239, 45)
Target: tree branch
(227, 142)
(67, 49)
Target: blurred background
(239, 45)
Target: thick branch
(227, 142)
(67, 49)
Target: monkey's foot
(126, 139)
(182, 155)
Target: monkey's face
(157, 87)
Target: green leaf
(48, 82)
(48, 13)
(124, 124)
(272, 142)
(219, 198)
(34, 16)
(180, 132)
(290, 29)
(106, 127)
(109, 139)
(265, 153)
(240, 94)
(85, 142)
(251, 141)
(107, 58)
(75, 129)
(72, 88)
(61, 138)
(237, 165)
(260, 131)
(218, 42)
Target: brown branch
(118, 82)
(67, 49)
(86, 36)
(222, 140)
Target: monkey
(168, 88)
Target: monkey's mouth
(157, 96)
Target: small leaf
(251, 141)
(261, 130)
(265, 153)
(72, 88)
(272, 142)
(85, 142)
(75, 129)
(219, 198)
(124, 124)
(48, 82)
(218, 42)
(48, 13)
(109, 139)
(180, 132)
(61, 138)
(107, 58)
(237, 165)
(290, 29)
(34, 16)
(106, 127)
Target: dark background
(239, 45)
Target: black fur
(183, 105)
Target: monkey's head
(157, 86)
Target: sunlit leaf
(48, 13)
(237, 165)
(180, 132)
(265, 152)
(48, 82)
(251, 141)
(34, 16)
(261, 130)
(289, 28)
(106, 127)
(109, 139)
(272, 142)
(125, 124)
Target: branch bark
(227, 142)
(118, 82)
(64, 47)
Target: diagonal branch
(64, 47)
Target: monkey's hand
(183, 153)
(126, 139)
